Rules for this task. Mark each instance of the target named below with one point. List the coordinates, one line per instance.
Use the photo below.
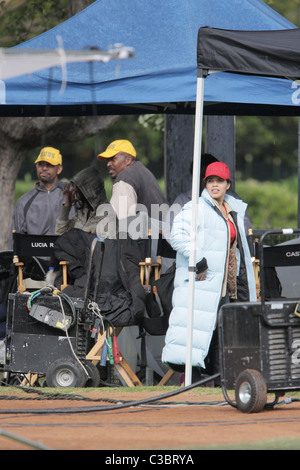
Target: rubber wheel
(250, 391)
(94, 374)
(66, 373)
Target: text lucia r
(41, 245)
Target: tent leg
(195, 197)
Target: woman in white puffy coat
(223, 262)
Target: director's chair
(121, 365)
(150, 270)
(31, 255)
(160, 256)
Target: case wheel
(250, 391)
(94, 374)
(66, 373)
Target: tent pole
(298, 209)
(195, 197)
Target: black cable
(107, 424)
(111, 407)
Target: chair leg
(21, 285)
(168, 375)
(94, 354)
(64, 272)
(127, 373)
(29, 380)
(123, 368)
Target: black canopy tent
(265, 53)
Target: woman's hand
(201, 270)
(201, 276)
(69, 193)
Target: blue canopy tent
(162, 75)
(161, 78)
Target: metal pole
(298, 212)
(35, 445)
(195, 197)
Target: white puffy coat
(212, 242)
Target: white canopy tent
(16, 62)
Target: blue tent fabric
(162, 76)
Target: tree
(21, 20)
(289, 9)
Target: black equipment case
(34, 344)
(49, 333)
(260, 342)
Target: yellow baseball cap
(118, 146)
(50, 155)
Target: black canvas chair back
(276, 263)
(39, 246)
(31, 255)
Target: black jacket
(120, 294)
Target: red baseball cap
(218, 169)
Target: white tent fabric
(14, 62)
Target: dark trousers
(212, 360)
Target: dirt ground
(106, 422)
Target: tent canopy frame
(266, 53)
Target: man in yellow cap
(37, 210)
(135, 191)
(133, 182)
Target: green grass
(270, 204)
(23, 186)
(201, 391)
(276, 444)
